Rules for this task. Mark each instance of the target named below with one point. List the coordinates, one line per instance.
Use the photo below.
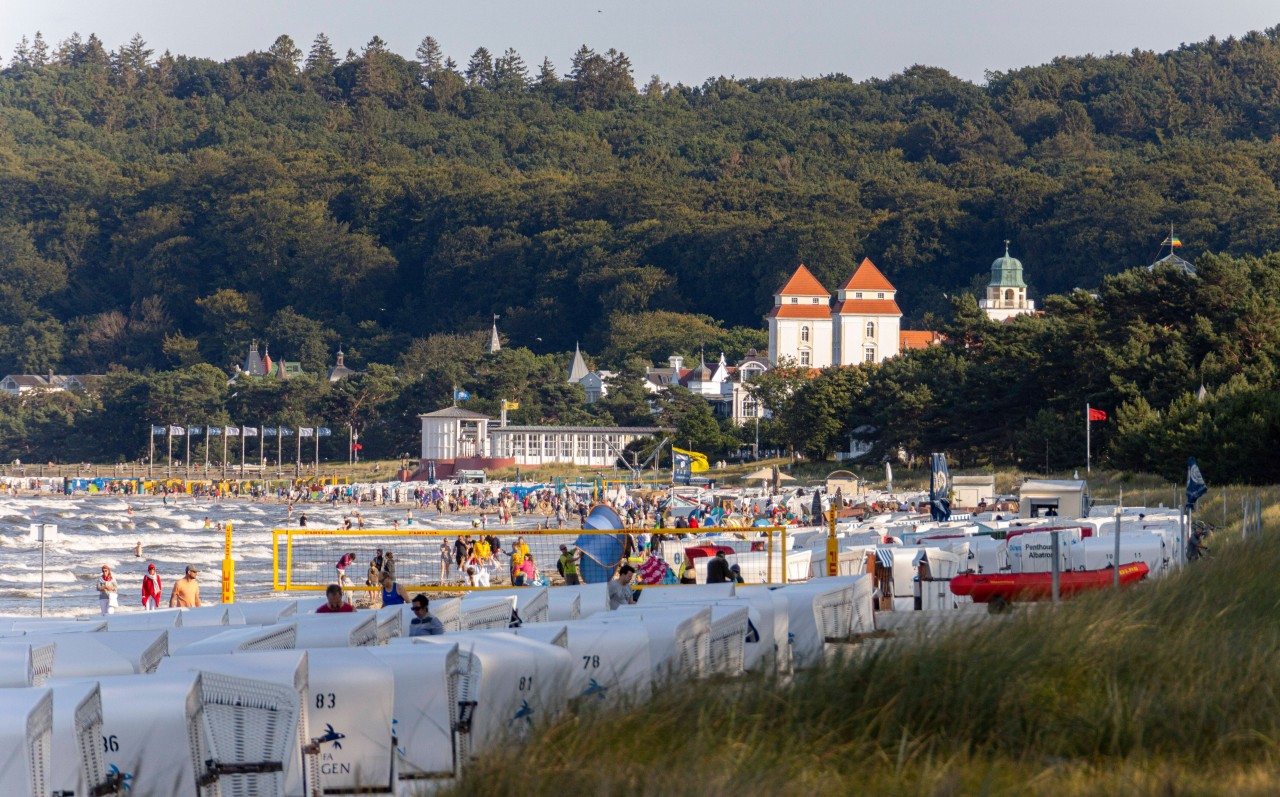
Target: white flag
(249, 431)
(305, 431)
(177, 431)
(231, 431)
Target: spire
(494, 345)
(578, 369)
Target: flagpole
(206, 451)
(151, 449)
(262, 453)
(242, 452)
(317, 441)
(186, 469)
(279, 448)
(297, 460)
(224, 453)
(1088, 442)
(169, 464)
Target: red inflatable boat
(1006, 587)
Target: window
(597, 446)
(750, 407)
(870, 354)
(879, 295)
(815, 300)
(794, 300)
(804, 356)
(804, 334)
(517, 444)
(583, 446)
(566, 446)
(858, 295)
(871, 329)
(1008, 295)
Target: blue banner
(323, 431)
(268, 431)
(195, 430)
(461, 395)
(286, 432)
(681, 468)
(213, 431)
(155, 430)
(939, 489)
(1196, 487)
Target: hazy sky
(680, 40)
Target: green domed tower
(1006, 292)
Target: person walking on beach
(446, 559)
(107, 597)
(152, 589)
(186, 591)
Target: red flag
(1097, 415)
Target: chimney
(676, 361)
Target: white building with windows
(866, 317)
(864, 327)
(583, 446)
(800, 322)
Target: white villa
(862, 328)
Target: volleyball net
(308, 560)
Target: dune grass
(1172, 688)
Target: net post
(768, 552)
(288, 560)
(784, 554)
(228, 571)
(833, 547)
(275, 559)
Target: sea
(94, 530)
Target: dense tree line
(1184, 366)
(158, 212)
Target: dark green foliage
(160, 211)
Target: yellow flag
(697, 462)
(511, 405)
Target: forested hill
(158, 211)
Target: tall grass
(1169, 688)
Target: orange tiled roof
(917, 339)
(802, 283)
(815, 311)
(869, 307)
(867, 278)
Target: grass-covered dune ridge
(1167, 689)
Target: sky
(682, 41)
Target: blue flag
(1196, 488)
(461, 395)
(939, 488)
(681, 468)
(324, 431)
(155, 430)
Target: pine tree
(285, 52)
(510, 72)
(70, 50)
(322, 58)
(430, 57)
(376, 46)
(95, 52)
(39, 51)
(22, 53)
(480, 68)
(547, 77)
(136, 53)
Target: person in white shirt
(107, 595)
(477, 577)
